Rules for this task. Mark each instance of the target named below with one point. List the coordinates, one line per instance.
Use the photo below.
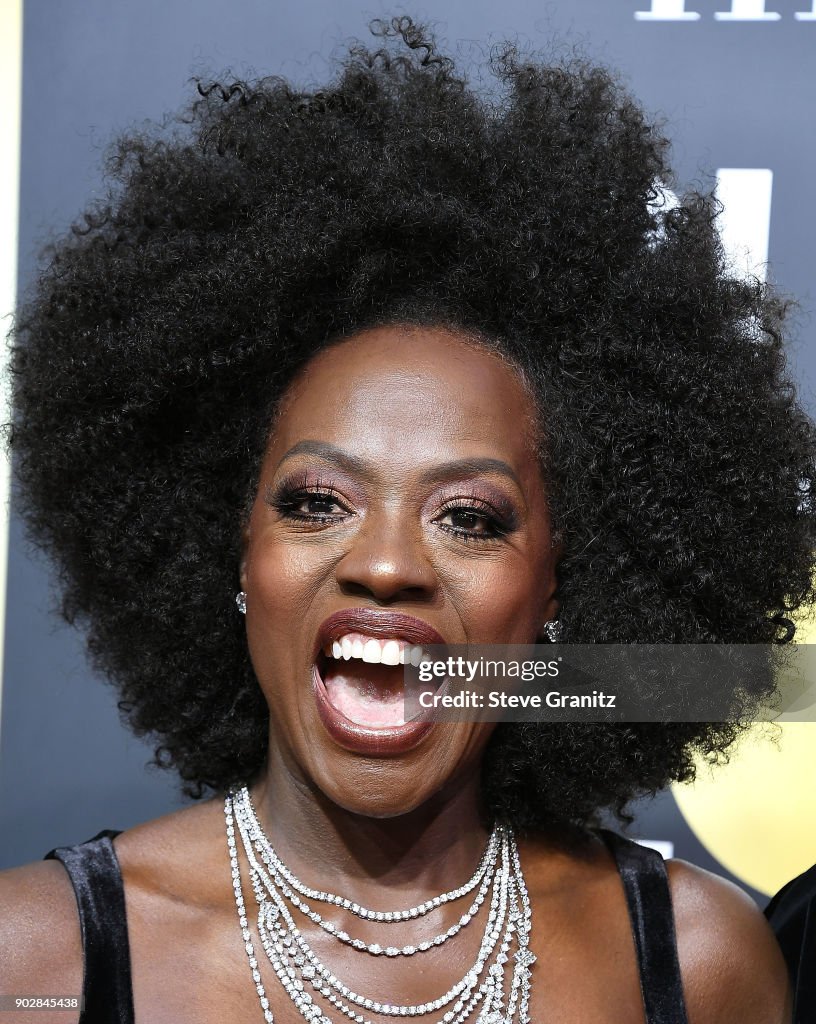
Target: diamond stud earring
(552, 631)
(240, 600)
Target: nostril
(393, 570)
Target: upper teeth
(374, 651)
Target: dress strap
(792, 915)
(646, 885)
(97, 880)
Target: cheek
(281, 577)
(280, 582)
(501, 601)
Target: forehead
(398, 389)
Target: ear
(242, 567)
(549, 614)
(551, 604)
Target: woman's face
(400, 499)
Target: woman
(792, 915)
(400, 365)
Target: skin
(406, 404)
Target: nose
(387, 560)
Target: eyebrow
(445, 471)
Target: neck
(413, 856)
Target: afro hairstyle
(267, 221)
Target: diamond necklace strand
(280, 876)
(491, 990)
(269, 916)
(294, 962)
(488, 858)
(278, 951)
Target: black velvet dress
(108, 996)
(792, 914)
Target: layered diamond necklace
(484, 994)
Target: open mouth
(358, 679)
(364, 678)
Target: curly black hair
(268, 222)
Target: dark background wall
(737, 94)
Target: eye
(315, 504)
(471, 522)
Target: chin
(392, 787)
(376, 790)
(383, 810)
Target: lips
(375, 623)
(359, 696)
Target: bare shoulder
(732, 968)
(40, 940)
(155, 856)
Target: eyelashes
(472, 521)
(307, 500)
(291, 497)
